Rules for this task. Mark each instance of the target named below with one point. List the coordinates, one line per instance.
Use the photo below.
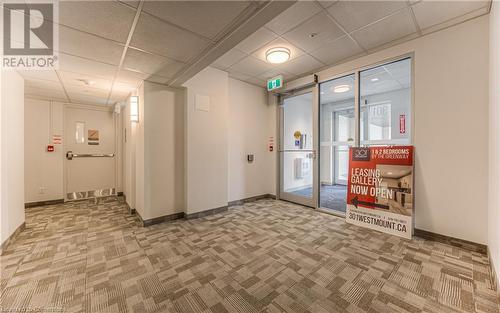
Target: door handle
(312, 155)
(70, 155)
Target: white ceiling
(166, 37)
(324, 33)
(117, 45)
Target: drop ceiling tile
(229, 58)
(153, 35)
(108, 19)
(89, 46)
(239, 76)
(78, 79)
(124, 87)
(69, 63)
(206, 18)
(39, 74)
(86, 91)
(387, 30)
(355, 14)
(429, 13)
(251, 66)
(131, 77)
(45, 94)
(336, 51)
(273, 73)
(293, 16)
(320, 26)
(301, 65)
(87, 99)
(279, 42)
(256, 40)
(118, 97)
(43, 84)
(136, 60)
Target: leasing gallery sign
(380, 189)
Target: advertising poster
(380, 189)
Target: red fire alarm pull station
(50, 148)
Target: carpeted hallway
(265, 256)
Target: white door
(298, 146)
(90, 143)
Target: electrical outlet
(41, 190)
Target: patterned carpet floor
(265, 256)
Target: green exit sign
(275, 83)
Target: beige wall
(207, 142)
(43, 179)
(11, 153)
(494, 152)
(450, 126)
(251, 124)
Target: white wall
(154, 152)
(494, 142)
(163, 150)
(450, 126)
(251, 124)
(44, 169)
(207, 142)
(43, 179)
(12, 153)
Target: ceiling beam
(258, 15)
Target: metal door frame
(281, 194)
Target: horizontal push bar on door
(70, 155)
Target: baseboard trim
(460, 243)
(42, 203)
(207, 212)
(494, 276)
(12, 237)
(160, 219)
(251, 199)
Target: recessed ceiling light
(322, 92)
(341, 88)
(374, 79)
(389, 173)
(277, 55)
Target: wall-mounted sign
(402, 124)
(93, 137)
(380, 189)
(56, 139)
(275, 83)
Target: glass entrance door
(338, 133)
(298, 170)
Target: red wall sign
(380, 189)
(402, 124)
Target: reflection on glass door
(338, 131)
(297, 153)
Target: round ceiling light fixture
(341, 88)
(277, 55)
